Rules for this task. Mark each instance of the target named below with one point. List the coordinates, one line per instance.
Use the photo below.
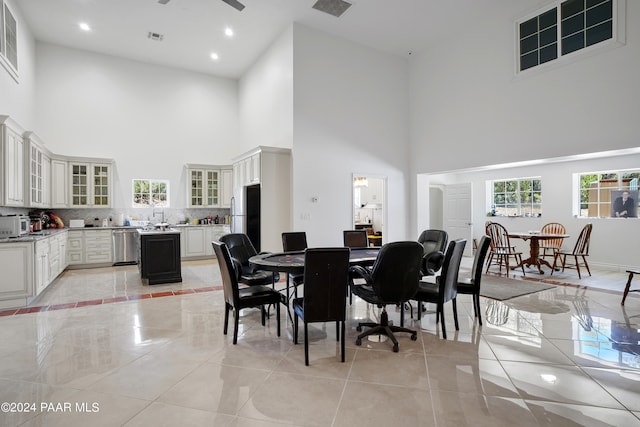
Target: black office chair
(355, 238)
(471, 285)
(392, 280)
(235, 298)
(326, 275)
(434, 243)
(445, 288)
(241, 249)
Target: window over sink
(150, 192)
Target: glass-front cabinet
(205, 186)
(90, 184)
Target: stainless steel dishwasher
(125, 246)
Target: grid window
(568, 27)
(539, 40)
(517, 197)
(10, 37)
(8, 40)
(599, 190)
(150, 192)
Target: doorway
(457, 214)
(369, 206)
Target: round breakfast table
(534, 247)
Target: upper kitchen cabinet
(207, 186)
(39, 172)
(90, 183)
(13, 154)
(59, 184)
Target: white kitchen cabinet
(205, 185)
(39, 172)
(90, 184)
(12, 177)
(16, 265)
(42, 270)
(226, 185)
(195, 240)
(59, 186)
(89, 247)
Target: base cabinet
(159, 258)
(195, 241)
(89, 247)
(16, 265)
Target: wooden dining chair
(549, 247)
(501, 249)
(580, 251)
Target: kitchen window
(150, 192)
(565, 27)
(516, 197)
(8, 40)
(598, 191)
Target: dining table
(534, 238)
(293, 263)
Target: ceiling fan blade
(234, 3)
(163, 1)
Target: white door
(457, 214)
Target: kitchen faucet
(153, 212)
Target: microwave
(14, 226)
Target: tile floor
(98, 348)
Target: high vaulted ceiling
(193, 29)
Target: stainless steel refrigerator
(245, 213)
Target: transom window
(563, 28)
(150, 192)
(600, 194)
(8, 40)
(517, 197)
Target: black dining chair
(392, 280)
(326, 275)
(471, 285)
(355, 238)
(235, 298)
(241, 249)
(445, 287)
(294, 241)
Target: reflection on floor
(565, 356)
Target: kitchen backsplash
(171, 216)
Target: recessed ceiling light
(214, 56)
(84, 26)
(228, 32)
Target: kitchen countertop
(35, 236)
(158, 231)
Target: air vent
(155, 36)
(332, 7)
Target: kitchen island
(159, 256)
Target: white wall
(468, 109)
(466, 101)
(350, 116)
(17, 99)
(614, 241)
(150, 119)
(265, 95)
